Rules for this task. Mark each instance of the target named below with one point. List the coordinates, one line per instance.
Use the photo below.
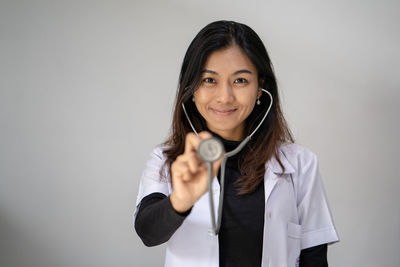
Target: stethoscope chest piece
(210, 149)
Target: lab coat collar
(276, 168)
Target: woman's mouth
(223, 112)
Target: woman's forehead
(231, 59)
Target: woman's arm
(156, 220)
(314, 256)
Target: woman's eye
(241, 80)
(208, 80)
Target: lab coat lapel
(274, 171)
(270, 180)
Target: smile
(223, 112)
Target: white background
(87, 89)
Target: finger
(204, 135)
(192, 141)
(181, 170)
(193, 161)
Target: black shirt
(242, 225)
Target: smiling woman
(228, 92)
(275, 211)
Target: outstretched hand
(189, 174)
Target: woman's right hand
(189, 174)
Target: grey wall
(87, 89)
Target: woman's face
(227, 92)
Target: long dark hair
(264, 144)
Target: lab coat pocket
(293, 247)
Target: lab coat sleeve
(151, 181)
(314, 213)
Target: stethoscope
(212, 149)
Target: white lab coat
(297, 214)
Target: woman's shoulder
(296, 157)
(158, 151)
(295, 150)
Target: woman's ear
(261, 83)
(259, 93)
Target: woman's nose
(225, 93)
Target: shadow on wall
(17, 249)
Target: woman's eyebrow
(209, 71)
(235, 73)
(242, 71)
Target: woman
(275, 211)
